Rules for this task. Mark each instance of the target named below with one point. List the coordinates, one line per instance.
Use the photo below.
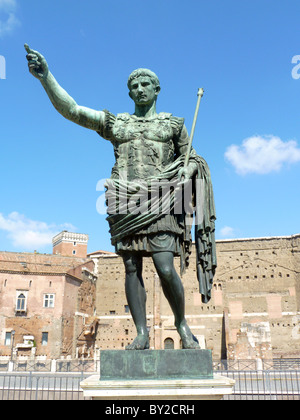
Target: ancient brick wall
(256, 284)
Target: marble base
(171, 389)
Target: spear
(187, 157)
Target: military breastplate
(143, 147)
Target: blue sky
(241, 52)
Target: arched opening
(21, 301)
(169, 344)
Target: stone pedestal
(193, 389)
(156, 375)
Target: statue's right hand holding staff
(60, 99)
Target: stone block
(155, 364)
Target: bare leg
(174, 292)
(136, 298)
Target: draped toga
(149, 210)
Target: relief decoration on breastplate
(143, 146)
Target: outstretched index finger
(29, 50)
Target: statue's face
(142, 91)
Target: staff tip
(200, 92)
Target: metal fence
(41, 386)
(276, 379)
(265, 385)
(61, 365)
(257, 364)
(254, 379)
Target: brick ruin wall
(253, 313)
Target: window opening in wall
(49, 300)
(21, 302)
(7, 339)
(44, 339)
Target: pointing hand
(37, 64)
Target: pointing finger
(27, 48)
(33, 52)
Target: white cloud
(30, 234)
(8, 20)
(227, 232)
(8, 5)
(262, 154)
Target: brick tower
(70, 244)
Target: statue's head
(143, 72)
(146, 77)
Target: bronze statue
(150, 150)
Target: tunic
(148, 150)
(144, 148)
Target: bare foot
(141, 342)
(189, 341)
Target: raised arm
(60, 99)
